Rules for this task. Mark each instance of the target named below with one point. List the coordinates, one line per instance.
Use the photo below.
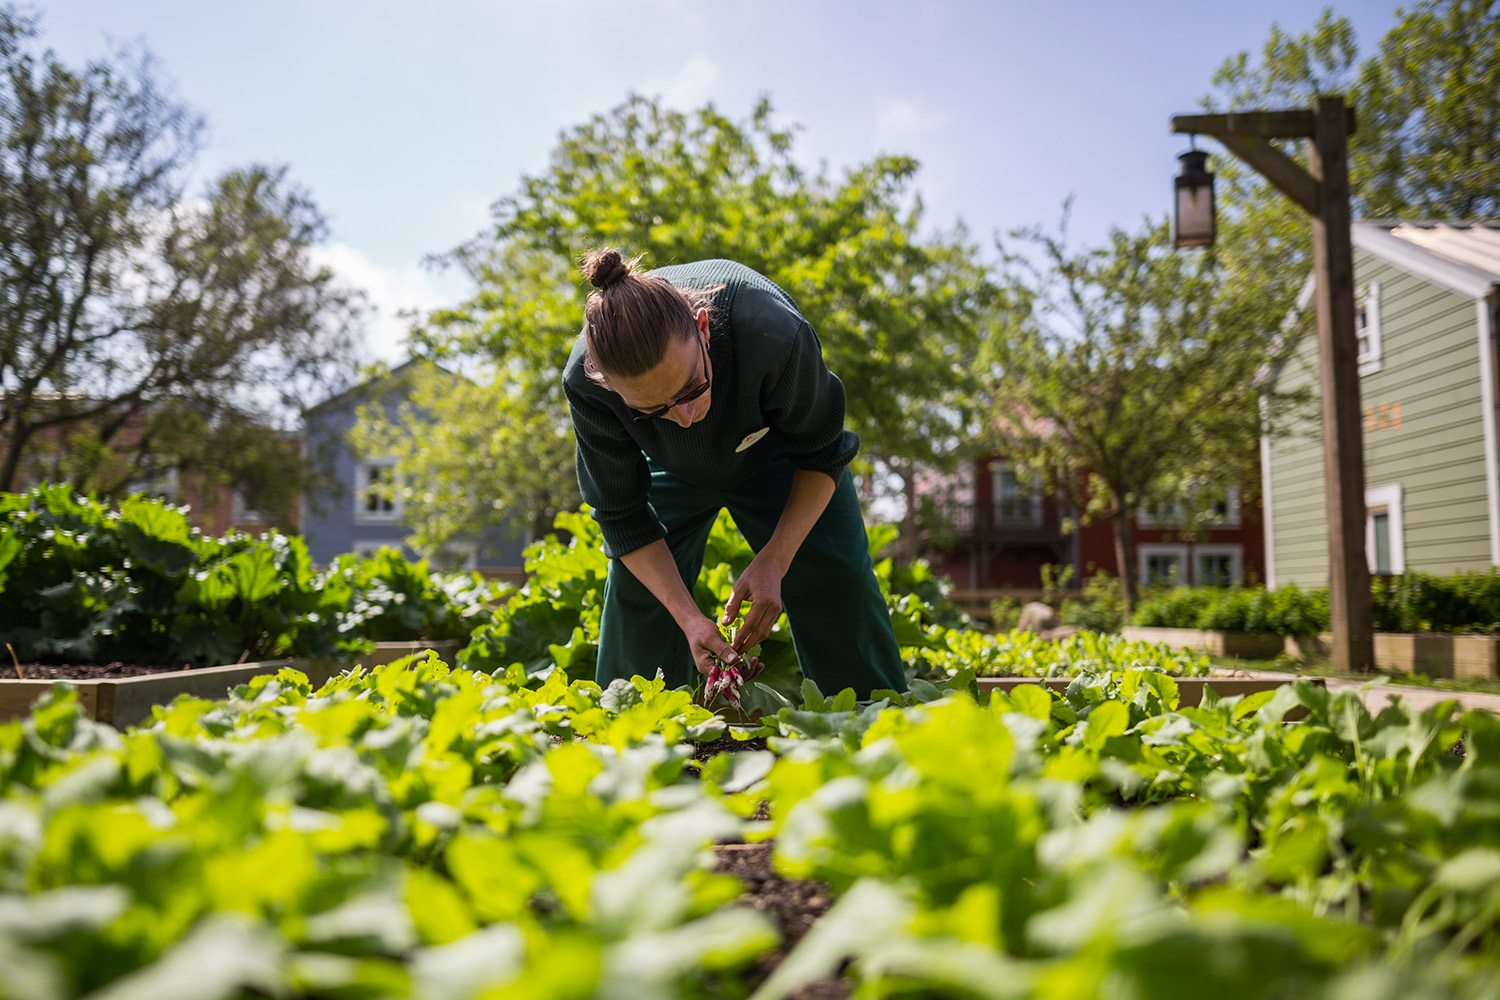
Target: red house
(987, 529)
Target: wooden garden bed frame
(125, 701)
(1436, 654)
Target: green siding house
(1427, 315)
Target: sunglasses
(687, 397)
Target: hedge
(1409, 602)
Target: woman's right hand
(705, 642)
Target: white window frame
(1033, 514)
(1174, 515)
(1368, 305)
(361, 487)
(1231, 518)
(1171, 515)
(243, 513)
(1144, 553)
(1236, 554)
(1387, 498)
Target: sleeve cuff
(624, 533)
(832, 459)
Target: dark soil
(707, 751)
(795, 904)
(85, 671)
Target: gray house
(351, 513)
(1427, 316)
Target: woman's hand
(760, 584)
(705, 642)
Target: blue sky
(407, 120)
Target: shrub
(1179, 608)
(1102, 608)
(1411, 602)
(1285, 611)
(1418, 602)
(1005, 614)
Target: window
(155, 479)
(1367, 329)
(375, 497)
(1017, 504)
(1385, 538)
(1161, 515)
(1217, 565)
(1162, 565)
(246, 508)
(1225, 513)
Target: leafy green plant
(1102, 608)
(1025, 654)
(1005, 614)
(1175, 607)
(85, 582)
(393, 599)
(421, 831)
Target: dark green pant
(840, 625)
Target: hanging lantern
(1195, 201)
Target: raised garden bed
(1250, 645)
(125, 701)
(1189, 689)
(1436, 654)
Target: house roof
(1462, 257)
(362, 387)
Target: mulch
(794, 904)
(709, 749)
(86, 671)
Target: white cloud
(901, 120)
(694, 83)
(391, 291)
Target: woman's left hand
(760, 584)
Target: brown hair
(630, 319)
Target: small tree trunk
(10, 464)
(911, 544)
(1124, 558)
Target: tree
(1127, 379)
(1429, 139)
(1427, 143)
(136, 322)
(899, 311)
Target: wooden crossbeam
(1265, 124)
(1278, 168)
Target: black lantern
(1195, 201)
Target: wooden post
(1352, 617)
(1322, 191)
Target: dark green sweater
(768, 372)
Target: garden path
(1377, 698)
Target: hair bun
(605, 266)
